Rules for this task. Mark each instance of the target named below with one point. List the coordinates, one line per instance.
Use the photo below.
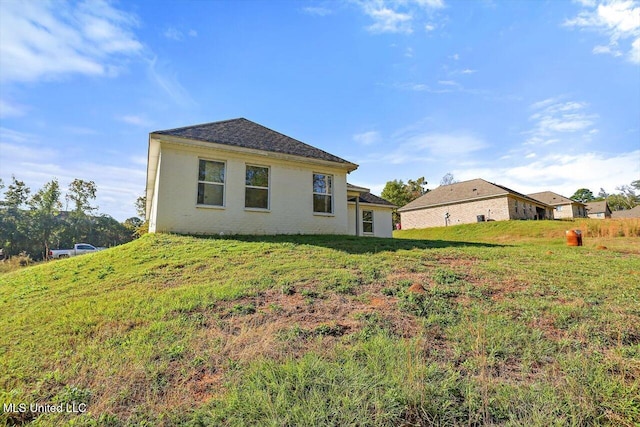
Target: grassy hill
(464, 326)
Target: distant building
(563, 206)
(598, 210)
(465, 202)
(627, 213)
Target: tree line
(34, 223)
(625, 198)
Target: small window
(516, 206)
(559, 208)
(322, 193)
(367, 221)
(256, 194)
(211, 183)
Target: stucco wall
(382, 220)
(290, 192)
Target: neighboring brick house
(470, 201)
(626, 213)
(563, 206)
(598, 210)
(238, 177)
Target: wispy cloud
(418, 143)
(562, 173)
(317, 11)
(47, 40)
(168, 81)
(135, 120)
(554, 118)
(619, 20)
(172, 33)
(10, 109)
(367, 138)
(399, 16)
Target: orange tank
(574, 237)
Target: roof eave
(348, 166)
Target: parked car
(78, 249)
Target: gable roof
(465, 191)
(597, 207)
(627, 213)
(247, 134)
(553, 199)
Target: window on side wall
(322, 193)
(211, 183)
(367, 222)
(256, 194)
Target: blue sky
(533, 95)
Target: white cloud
(172, 33)
(389, 21)
(367, 138)
(45, 40)
(619, 20)
(168, 82)
(399, 16)
(9, 109)
(563, 173)
(317, 11)
(553, 117)
(135, 120)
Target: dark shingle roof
(372, 198)
(461, 192)
(553, 199)
(247, 134)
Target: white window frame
(268, 188)
(368, 222)
(223, 184)
(329, 180)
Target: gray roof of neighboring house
(462, 192)
(247, 134)
(372, 199)
(597, 207)
(553, 199)
(627, 213)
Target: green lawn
(504, 325)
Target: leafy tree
(626, 199)
(13, 219)
(141, 207)
(79, 223)
(399, 193)
(448, 179)
(396, 192)
(416, 188)
(602, 195)
(583, 195)
(45, 206)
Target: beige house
(238, 177)
(563, 206)
(465, 202)
(598, 210)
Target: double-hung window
(367, 221)
(211, 183)
(322, 193)
(256, 194)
